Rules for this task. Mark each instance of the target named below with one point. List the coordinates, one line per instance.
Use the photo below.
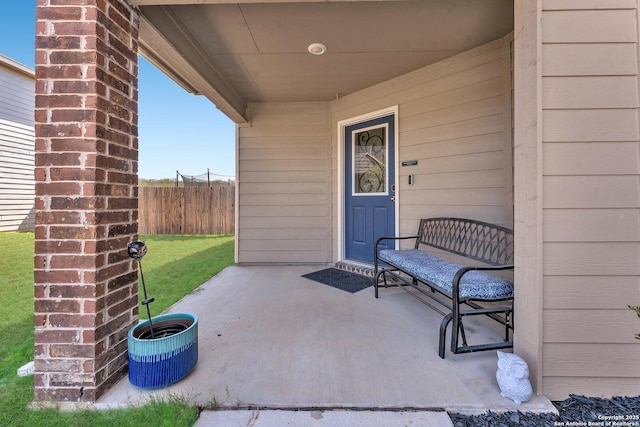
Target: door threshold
(358, 267)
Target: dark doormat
(340, 279)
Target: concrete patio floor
(270, 339)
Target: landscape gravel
(574, 411)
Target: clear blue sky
(177, 130)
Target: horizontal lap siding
(591, 197)
(455, 120)
(17, 96)
(17, 146)
(284, 185)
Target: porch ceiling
(241, 52)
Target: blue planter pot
(168, 357)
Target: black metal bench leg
(508, 319)
(376, 280)
(443, 334)
(456, 330)
(464, 336)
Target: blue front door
(369, 185)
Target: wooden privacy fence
(187, 210)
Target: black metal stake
(146, 301)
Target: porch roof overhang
(244, 51)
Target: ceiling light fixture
(317, 48)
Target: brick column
(86, 287)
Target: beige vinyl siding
(455, 120)
(284, 184)
(17, 147)
(591, 197)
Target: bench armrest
(375, 247)
(394, 238)
(464, 270)
(455, 290)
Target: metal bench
(457, 289)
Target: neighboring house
(521, 113)
(17, 146)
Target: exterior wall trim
(17, 67)
(236, 251)
(528, 196)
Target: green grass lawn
(173, 267)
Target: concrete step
(322, 418)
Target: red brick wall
(86, 195)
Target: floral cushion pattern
(438, 272)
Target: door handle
(393, 198)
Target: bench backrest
(489, 243)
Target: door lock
(393, 198)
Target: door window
(370, 161)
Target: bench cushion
(440, 273)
